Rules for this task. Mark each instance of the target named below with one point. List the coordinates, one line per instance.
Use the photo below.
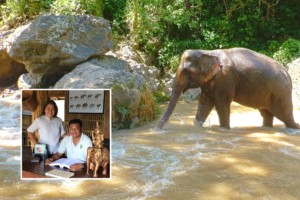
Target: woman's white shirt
(49, 130)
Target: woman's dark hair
(55, 107)
(75, 121)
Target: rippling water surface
(181, 162)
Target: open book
(57, 173)
(65, 162)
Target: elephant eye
(188, 59)
(186, 64)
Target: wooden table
(38, 169)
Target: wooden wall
(89, 120)
(26, 121)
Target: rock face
(167, 85)
(99, 73)
(56, 44)
(71, 52)
(135, 61)
(132, 101)
(131, 106)
(30, 80)
(10, 69)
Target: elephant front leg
(205, 106)
(223, 110)
(224, 94)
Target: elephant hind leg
(267, 117)
(282, 108)
(290, 123)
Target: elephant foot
(293, 126)
(158, 130)
(198, 123)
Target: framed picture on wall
(40, 149)
(86, 101)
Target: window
(61, 109)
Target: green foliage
(19, 10)
(163, 29)
(160, 96)
(122, 110)
(93, 7)
(169, 54)
(115, 11)
(167, 27)
(288, 51)
(64, 7)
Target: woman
(49, 126)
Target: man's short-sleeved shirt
(78, 151)
(49, 130)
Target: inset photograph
(66, 134)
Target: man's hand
(53, 158)
(48, 161)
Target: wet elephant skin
(238, 74)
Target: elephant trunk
(176, 92)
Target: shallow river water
(180, 162)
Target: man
(75, 145)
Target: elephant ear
(210, 66)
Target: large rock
(99, 73)
(131, 106)
(30, 80)
(137, 66)
(132, 101)
(56, 44)
(10, 69)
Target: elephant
(236, 74)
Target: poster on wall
(87, 101)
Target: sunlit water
(181, 162)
